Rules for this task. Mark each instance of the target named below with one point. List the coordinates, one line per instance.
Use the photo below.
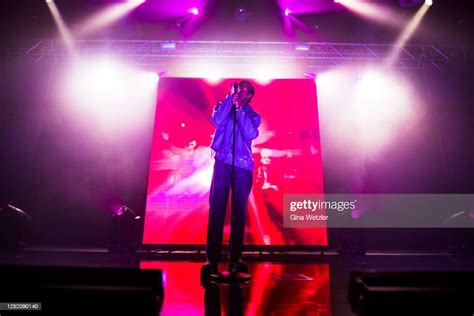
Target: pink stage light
(194, 11)
(287, 12)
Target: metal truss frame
(314, 55)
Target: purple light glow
(304, 7)
(119, 211)
(185, 15)
(356, 214)
(159, 11)
(194, 11)
(287, 12)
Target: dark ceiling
(446, 21)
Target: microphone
(235, 85)
(235, 88)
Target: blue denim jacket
(246, 130)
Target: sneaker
(206, 270)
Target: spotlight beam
(374, 12)
(61, 25)
(407, 34)
(300, 24)
(107, 17)
(289, 20)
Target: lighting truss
(315, 55)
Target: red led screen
(287, 156)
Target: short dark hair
(249, 86)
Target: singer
(236, 126)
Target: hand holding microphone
(234, 88)
(234, 92)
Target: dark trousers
(219, 195)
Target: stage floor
(308, 285)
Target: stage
(305, 283)
(328, 144)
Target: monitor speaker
(80, 291)
(411, 293)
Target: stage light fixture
(123, 209)
(193, 11)
(241, 13)
(429, 2)
(125, 230)
(287, 12)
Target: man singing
(237, 125)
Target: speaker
(81, 291)
(13, 226)
(411, 293)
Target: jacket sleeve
(248, 123)
(221, 111)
